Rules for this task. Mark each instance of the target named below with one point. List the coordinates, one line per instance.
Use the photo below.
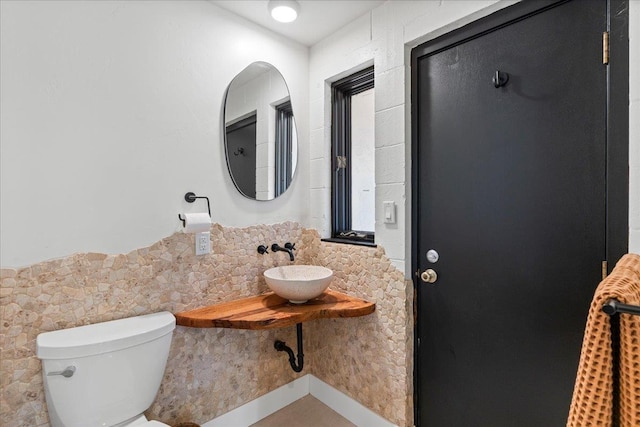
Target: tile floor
(305, 412)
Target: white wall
(111, 112)
(385, 38)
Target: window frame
(283, 147)
(341, 212)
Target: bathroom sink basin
(298, 283)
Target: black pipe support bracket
(282, 346)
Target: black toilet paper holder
(191, 197)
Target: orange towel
(592, 403)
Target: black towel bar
(614, 306)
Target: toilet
(105, 374)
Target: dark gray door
(510, 192)
(241, 155)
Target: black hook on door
(500, 79)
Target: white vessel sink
(298, 283)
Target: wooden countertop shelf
(270, 311)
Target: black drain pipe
(281, 346)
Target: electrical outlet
(203, 243)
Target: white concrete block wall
(634, 126)
(382, 38)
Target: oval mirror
(260, 138)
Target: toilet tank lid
(104, 337)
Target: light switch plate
(389, 212)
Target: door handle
(429, 276)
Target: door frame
(617, 130)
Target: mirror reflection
(261, 142)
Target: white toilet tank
(105, 374)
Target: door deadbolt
(429, 276)
(432, 256)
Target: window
(352, 151)
(284, 147)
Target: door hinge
(341, 162)
(605, 48)
(605, 269)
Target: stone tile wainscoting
(212, 371)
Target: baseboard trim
(344, 405)
(262, 407)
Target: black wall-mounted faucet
(288, 247)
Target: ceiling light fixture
(284, 10)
